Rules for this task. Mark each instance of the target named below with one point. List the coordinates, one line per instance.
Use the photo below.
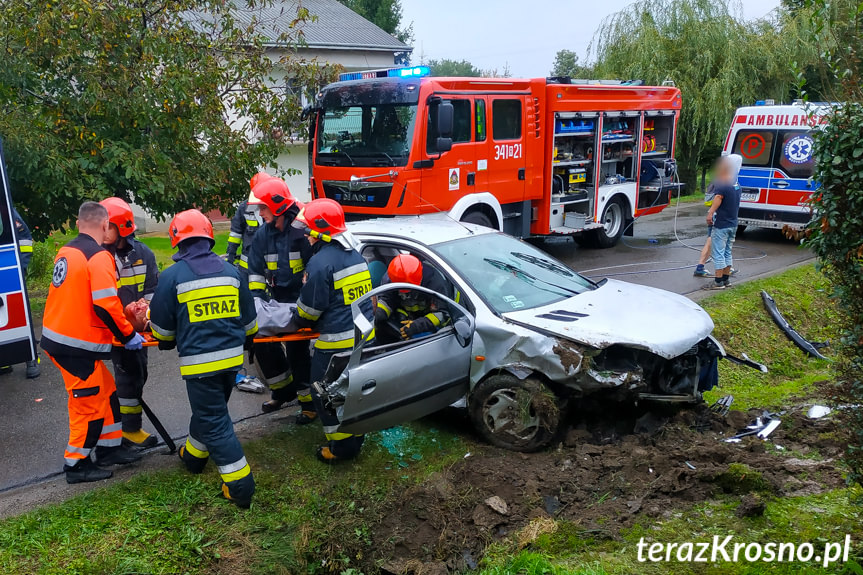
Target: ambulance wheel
(740, 230)
(613, 223)
(478, 218)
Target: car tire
(515, 414)
(614, 223)
(478, 218)
(740, 230)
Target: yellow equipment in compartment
(578, 176)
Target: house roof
(336, 27)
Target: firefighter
(415, 313)
(25, 252)
(277, 260)
(336, 276)
(139, 275)
(82, 315)
(202, 308)
(244, 225)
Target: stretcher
(301, 335)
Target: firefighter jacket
(413, 306)
(244, 225)
(139, 273)
(277, 260)
(83, 313)
(25, 239)
(336, 277)
(201, 304)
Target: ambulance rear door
(16, 336)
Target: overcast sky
(524, 33)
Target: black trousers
(342, 445)
(130, 374)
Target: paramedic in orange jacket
(82, 315)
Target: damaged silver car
(525, 336)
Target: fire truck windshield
(366, 135)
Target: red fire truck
(529, 157)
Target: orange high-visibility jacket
(83, 313)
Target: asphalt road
(33, 417)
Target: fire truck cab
(529, 157)
(778, 163)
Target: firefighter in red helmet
(413, 313)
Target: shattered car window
(510, 274)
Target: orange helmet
(275, 194)
(324, 218)
(120, 214)
(405, 268)
(258, 178)
(189, 224)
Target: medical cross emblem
(60, 269)
(798, 150)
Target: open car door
(16, 336)
(377, 386)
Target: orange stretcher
(301, 335)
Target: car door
(386, 385)
(16, 337)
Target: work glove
(136, 343)
(412, 328)
(167, 345)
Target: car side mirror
(463, 332)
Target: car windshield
(366, 135)
(510, 274)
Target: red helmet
(405, 268)
(275, 194)
(324, 217)
(189, 224)
(120, 214)
(258, 178)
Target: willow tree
(717, 59)
(173, 102)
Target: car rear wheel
(477, 218)
(519, 415)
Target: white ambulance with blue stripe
(776, 144)
(16, 336)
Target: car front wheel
(519, 415)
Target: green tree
(170, 103)
(566, 64)
(457, 68)
(717, 59)
(836, 232)
(386, 14)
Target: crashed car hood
(617, 312)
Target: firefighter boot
(85, 471)
(119, 455)
(240, 492)
(138, 440)
(193, 458)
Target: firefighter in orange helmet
(414, 313)
(245, 223)
(82, 316)
(203, 308)
(139, 275)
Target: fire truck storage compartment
(618, 151)
(656, 146)
(573, 182)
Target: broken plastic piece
(722, 405)
(769, 428)
(689, 465)
(799, 340)
(818, 411)
(746, 362)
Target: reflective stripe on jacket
(278, 259)
(209, 316)
(138, 271)
(83, 313)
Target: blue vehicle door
(16, 336)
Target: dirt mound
(604, 479)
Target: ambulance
(776, 144)
(531, 157)
(17, 344)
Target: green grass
(161, 246)
(743, 326)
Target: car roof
(430, 229)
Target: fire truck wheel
(477, 218)
(613, 223)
